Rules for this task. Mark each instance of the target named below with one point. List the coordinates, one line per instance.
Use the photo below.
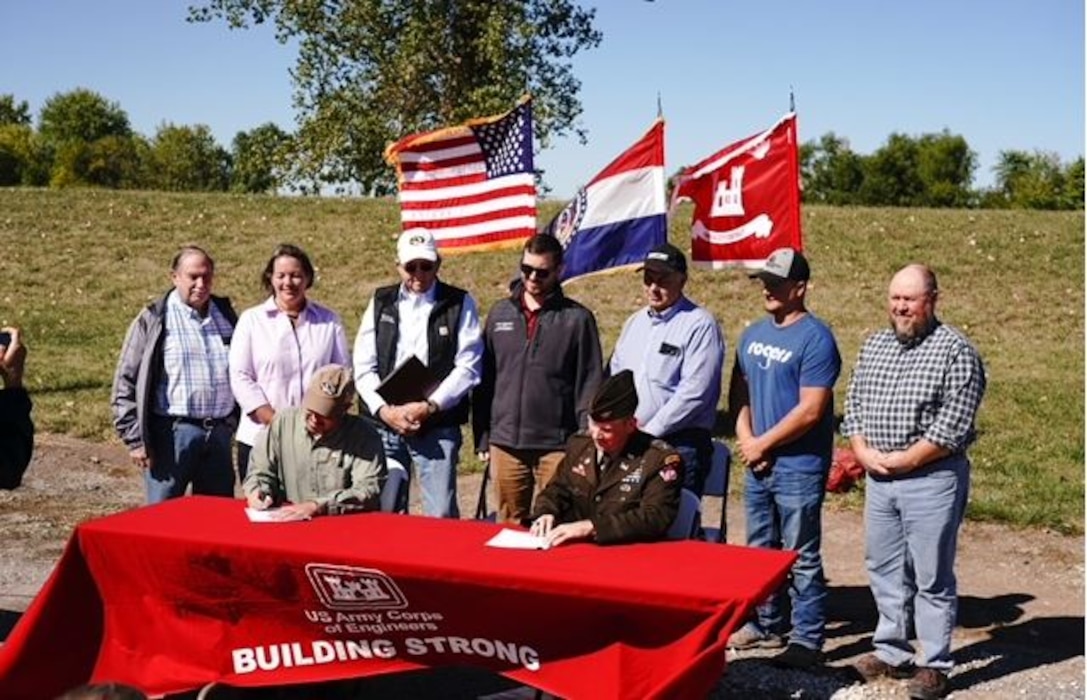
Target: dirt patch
(1020, 633)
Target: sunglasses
(418, 265)
(541, 273)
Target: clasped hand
(405, 419)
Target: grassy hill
(77, 265)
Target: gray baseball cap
(784, 264)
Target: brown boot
(870, 667)
(927, 684)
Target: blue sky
(1003, 74)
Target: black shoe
(798, 657)
(927, 684)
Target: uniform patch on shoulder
(669, 471)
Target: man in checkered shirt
(909, 417)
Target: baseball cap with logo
(416, 244)
(665, 258)
(784, 264)
(330, 391)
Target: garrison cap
(616, 398)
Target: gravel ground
(1020, 632)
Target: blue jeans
(185, 453)
(434, 453)
(911, 535)
(784, 510)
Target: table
(173, 596)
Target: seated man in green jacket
(316, 459)
(615, 483)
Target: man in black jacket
(541, 364)
(16, 428)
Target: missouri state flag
(620, 215)
(746, 199)
(473, 186)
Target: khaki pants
(518, 476)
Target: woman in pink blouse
(279, 344)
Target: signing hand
(258, 500)
(296, 511)
(542, 525)
(566, 532)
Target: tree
(186, 158)
(259, 156)
(23, 158)
(945, 167)
(832, 172)
(81, 115)
(12, 112)
(371, 71)
(1029, 180)
(1072, 196)
(891, 176)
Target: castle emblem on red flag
(746, 199)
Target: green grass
(77, 265)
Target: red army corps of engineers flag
(746, 199)
(473, 185)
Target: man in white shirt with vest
(439, 324)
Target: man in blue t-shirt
(782, 396)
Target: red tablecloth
(173, 596)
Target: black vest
(442, 327)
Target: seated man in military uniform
(615, 483)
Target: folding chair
(685, 526)
(481, 504)
(717, 485)
(392, 494)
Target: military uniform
(634, 497)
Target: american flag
(472, 186)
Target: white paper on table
(517, 539)
(267, 515)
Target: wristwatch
(431, 407)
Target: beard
(914, 330)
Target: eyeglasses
(657, 278)
(418, 265)
(541, 273)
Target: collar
(173, 300)
(269, 307)
(404, 294)
(668, 313)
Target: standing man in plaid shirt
(910, 413)
(171, 399)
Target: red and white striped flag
(472, 186)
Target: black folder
(411, 381)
